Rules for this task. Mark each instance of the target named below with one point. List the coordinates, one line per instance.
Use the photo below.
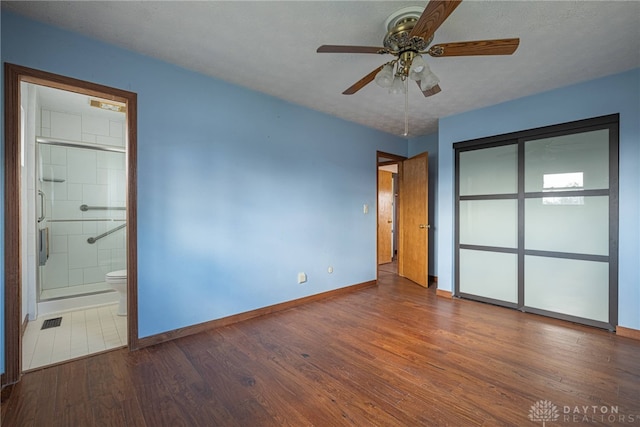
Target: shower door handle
(43, 208)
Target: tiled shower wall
(91, 177)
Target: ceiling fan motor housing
(399, 26)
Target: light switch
(365, 209)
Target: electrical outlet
(302, 277)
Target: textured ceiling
(270, 47)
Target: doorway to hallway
(403, 215)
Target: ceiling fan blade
(433, 16)
(430, 92)
(363, 81)
(329, 48)
(478, 47)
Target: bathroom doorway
(71, 208)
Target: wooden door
(413, 254)
(385, 216)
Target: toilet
(118, 281)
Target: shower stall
(76, 200)
(81, 218)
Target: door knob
(425, 226)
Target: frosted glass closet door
(567, 224)
(489, 171)
(488, 223)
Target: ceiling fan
(410, 31)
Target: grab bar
(43, 205)
(86, 220)
(92, 240)
(76, 144)
(85, 208)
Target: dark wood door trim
(13, 75)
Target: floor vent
(51, 323)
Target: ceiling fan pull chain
(406, 107)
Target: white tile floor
(81, 333)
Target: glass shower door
(81, 203)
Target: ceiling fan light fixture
(398, 86)
(427, 79)
(384, 78)
(418, 66)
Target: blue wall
(237, 191)
(614, 94)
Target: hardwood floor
(391, 355)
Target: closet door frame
(609, 122)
